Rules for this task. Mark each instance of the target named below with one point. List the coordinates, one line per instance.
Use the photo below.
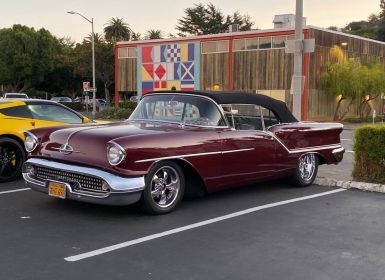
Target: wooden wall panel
(262, 70)
(214, 70)
(127, 74)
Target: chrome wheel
(307, 167)
(165, 186)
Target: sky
(145, 14)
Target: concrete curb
(369, 187)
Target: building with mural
(252, 61)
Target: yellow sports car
(17, 116)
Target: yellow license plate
(57, 190)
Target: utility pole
(298, 79)
(298, 47)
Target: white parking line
(350, 152)
(346, 139)
(192, 226)
(13, 191)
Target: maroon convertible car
(178, 143)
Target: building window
(239, 45)
(129, 52)
(215, 47)
(132, 52)
(279, 42)
(265, 43)
(122, 52)
(252, 44)
(258, 43)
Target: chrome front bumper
(118, 190)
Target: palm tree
(117, 30)
(98, 38)
(154, 34)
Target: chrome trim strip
(117, 183)
(65, 149)
(176, 123)
(303, 150)
(194, 155)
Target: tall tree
(244, 21)
(154, 34)
(26, 56)
(117, 30)
(104, 62)
(349, 80)
(362, 28)
(373, 79)
(63, 79)
(207, 19)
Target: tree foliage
(104, 62)
(373, 27)
(117, 30)
(349, 80)
(207, 19)
(26, 56)
(153, 34)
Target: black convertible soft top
(232, 97)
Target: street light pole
(93, 62)
(298, 57)
(93, 72)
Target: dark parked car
(177, 142)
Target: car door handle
(33, 123)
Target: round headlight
(115, 153)
(30, 142)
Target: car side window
(269, 117)
(244, 116)
(56, 113)
(17, 112)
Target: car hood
(89, 143)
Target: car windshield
(186, 109)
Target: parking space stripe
(193, 226)
(13, 191)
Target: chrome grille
(76, 180)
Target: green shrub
(369, 147)
(128, 105)
(114, 114)
(364, 119)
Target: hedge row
(369, 148)
(128, 105)
(113, 113)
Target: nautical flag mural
(168, 66)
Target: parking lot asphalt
(265, 231)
